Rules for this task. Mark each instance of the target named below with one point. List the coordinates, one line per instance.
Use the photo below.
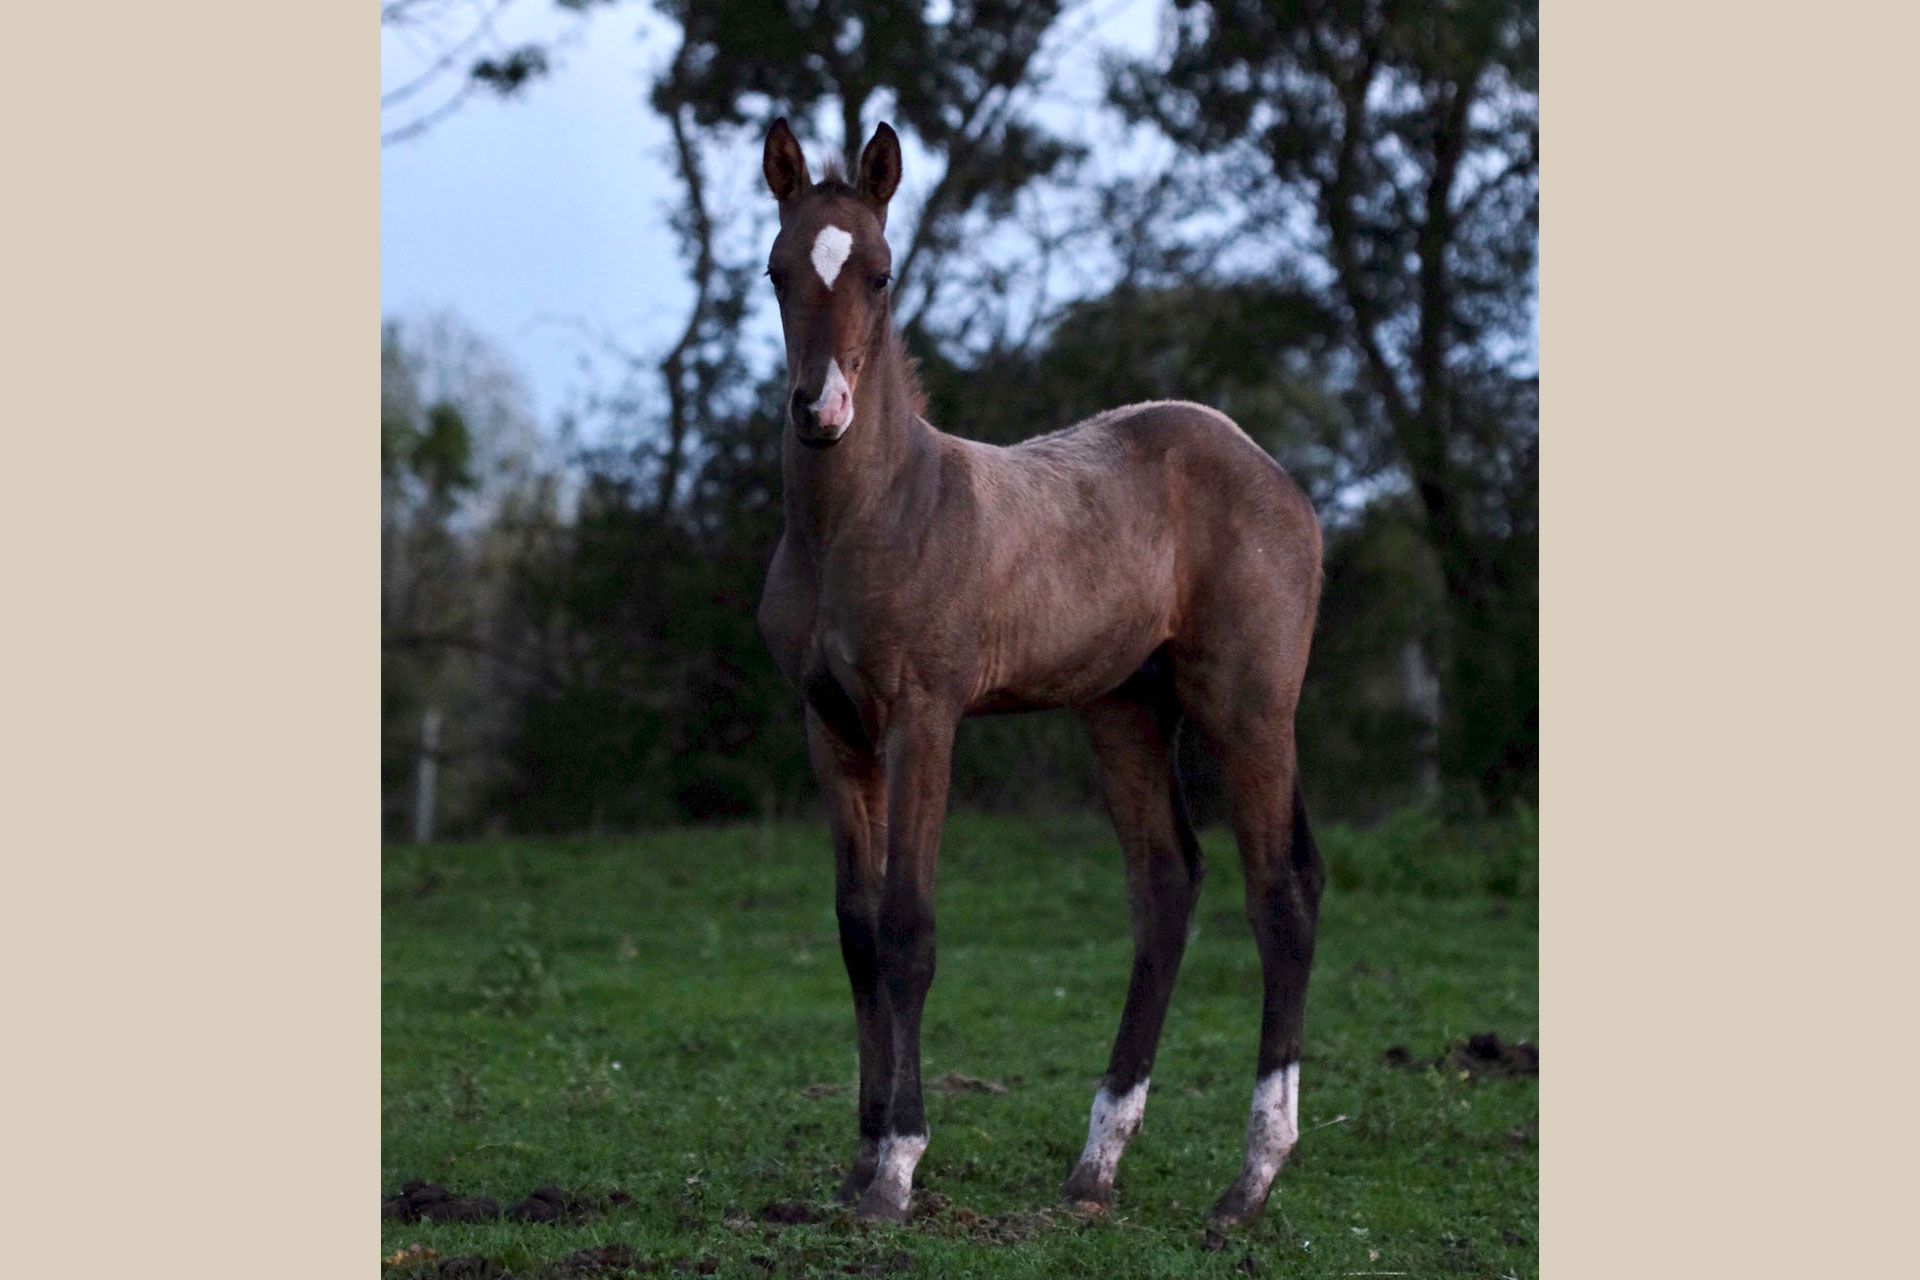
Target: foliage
(699, 1051)
(465, 489)
(459, 44)
(1406, 139)
(1339, 254)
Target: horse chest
(850, 654)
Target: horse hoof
(1233, 1211)
(877, 1206)
(1086, 1190)
(855, 1184)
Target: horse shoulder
(787, 604)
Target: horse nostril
(798, 405)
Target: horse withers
(1149, 567)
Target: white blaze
(830, 250)
(834, 408)
(1113, 1124)
(1273, 1126)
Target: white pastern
(1112, 1125)
(834, 408)
(899, 1156)
(830, 250)
(1273, 1125)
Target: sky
(541, 221)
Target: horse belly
(1067, 654)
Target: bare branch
(414, 128)
(481, 29)
(673, 367)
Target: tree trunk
(1484, 664)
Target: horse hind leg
(1133, 732)
(1284, 879)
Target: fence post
(1421, 685)
(427, 779)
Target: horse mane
(909, 372)
(834, 179)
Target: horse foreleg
(918, 754)
(854, 789)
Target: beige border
(1729, 447)
(191, 836)
(191, 719)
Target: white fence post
(427, 779)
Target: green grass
(647, 1015)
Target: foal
(1149, 566)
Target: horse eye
(881, 281)
(779, 279)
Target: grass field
(667, 1017)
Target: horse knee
(859, 941)
(1283, 907)
(1173, 889)
(906, 944)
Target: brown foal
(1149, 567)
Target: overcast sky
(533, 218)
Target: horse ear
(784, 165)
(880, 169)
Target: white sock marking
(830, 250)
(1273, 1124)
(899, 1155)
(834, 408)
(1112, 1125)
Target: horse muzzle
(819, 421)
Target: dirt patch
(791, 1213)
(1480, 1057)
(954, 1082)
(419, 1201)
(998, 1228)
(1487, 1056)
(414, 1255)
(429, 1202)
(601, 1260)
(930, 1204)
(550, 1204)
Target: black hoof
(1224, 1218)
(1085, 1188)
(877, 1205)
(855, 1184)
(1236, 1209)
(865, 1164)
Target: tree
(462, 54)
(464, 479)
(961, 85)
(1404, 139)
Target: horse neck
(869, 475)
